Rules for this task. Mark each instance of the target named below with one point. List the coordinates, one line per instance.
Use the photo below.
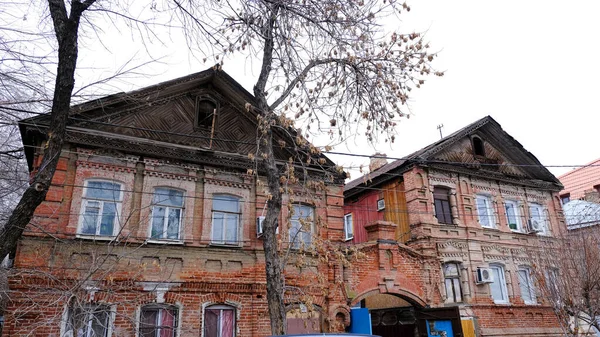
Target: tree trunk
(66, 29)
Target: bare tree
(568, 271)
(327, 67)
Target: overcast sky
(531, 65)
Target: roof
(488, 128)
(577, 181)
(580, 213)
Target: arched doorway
(391, 315)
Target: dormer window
(206, 112)
(478, 148)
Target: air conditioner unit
(535, 226)
(484, 275)
(259, 226)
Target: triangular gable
(162, 121)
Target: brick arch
(407, 295)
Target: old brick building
(150, 225)
(476, 206)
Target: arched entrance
(391, 315)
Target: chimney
(377, 161)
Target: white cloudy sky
(531, 65)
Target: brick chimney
(377, 161)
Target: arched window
(441, 199)
(100, 208)
(526, 285)
(452, 282)
(478, 147)
(158, 321)
(206, 110)
(219, 321)
(88, 320)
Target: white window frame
(67, 332)
(348, 227)
(515, 205)
(489, 206)
(501, 281)
(160, 307)
(226, 215)
(220, 307)
(540, 216)
(526, 285)
(164, 233)
(84, 203)
(301, 237)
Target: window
(565, 198)
(88, 321)
(100, 206)
(206, 110)
(302, 223)
(536, 218)
(158, 321)
(485, 211)
(526, 285)
(219, 321)
(498, 286)
(348, 227)
(552, 283)
(167, 209)
(452, 282)
(512, 215)
(441, 199)
(225, 220)
(478, 147)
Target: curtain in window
(211, 323)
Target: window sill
(95, 237)
(223, 245)
(348, 239)
(502, 303)
(165, 242)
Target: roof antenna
(439, 127)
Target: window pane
(103, 190)
(231, 228)
(211, 323)
(217, 229)
(173, 223)
(226, 203)
(99, 322)
(449, 289)
(168, 322)
(483, 211)
(348, 227)
(511, 215)
(294, 233)
(158, 218)
(457, 291)
(450, 269)
(109, 213)
(227, 323)
(525, 285)
(168, 197)
(90, 217)
(535, 212)
(303, 212)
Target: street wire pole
(439, 127)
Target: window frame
(501, 283)
(67, 328)
(293, 239)
(84, 204)
(530, 286)
(163, 237)
(220, 307)
(446, 217)
(455, 282)
(226, 215)
(489, 208)
(517, 215)
(156, 327)
(199, 124)
(348, 228)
